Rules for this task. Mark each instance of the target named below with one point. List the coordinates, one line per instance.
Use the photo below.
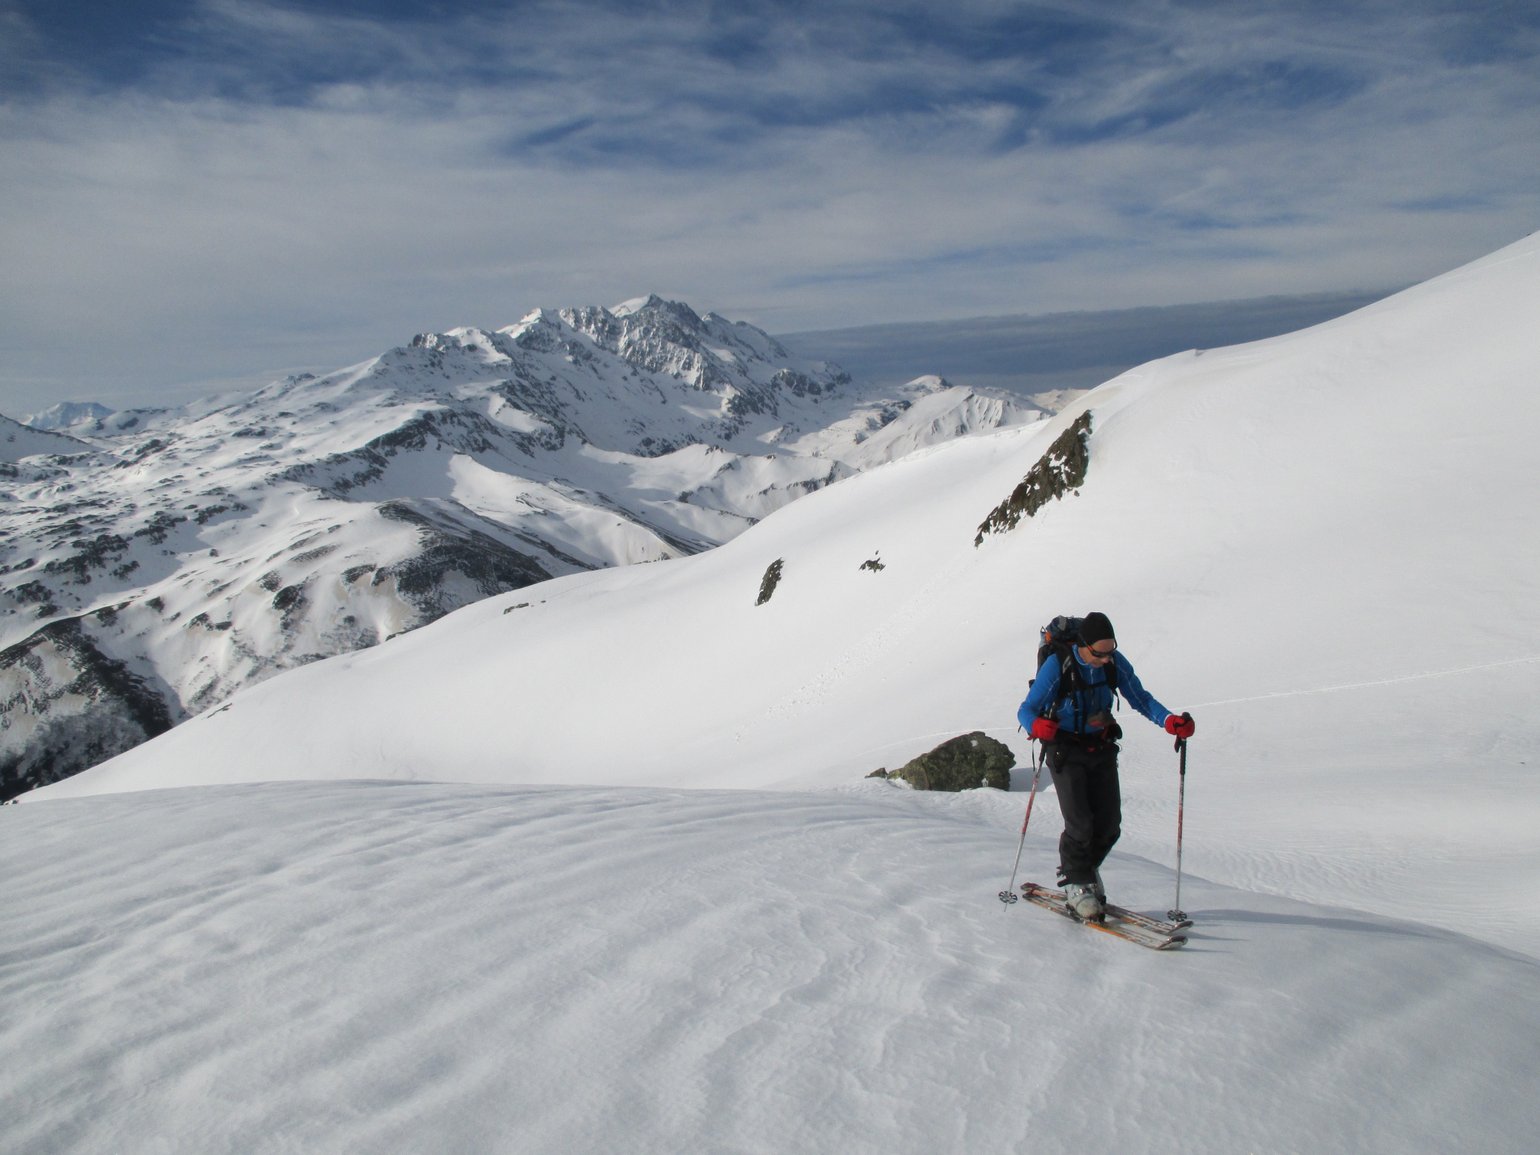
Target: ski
(1160, 926)
(1123, 914)
(1132, 931)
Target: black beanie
(1096, 628)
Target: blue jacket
(1097, 695)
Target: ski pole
(1008, 895)
(1176, 914)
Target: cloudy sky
(196, 193)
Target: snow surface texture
(184, 554)
(1322, 544)
(398, 967)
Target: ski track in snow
(368, 966)
(1398, 680)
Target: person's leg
(1104, 797)
(1077, 845)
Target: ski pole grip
(1181, 743)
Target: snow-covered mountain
(69, 414)
(526, 932)
(158, 560)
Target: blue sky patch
(195, 175)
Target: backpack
(1061, 636)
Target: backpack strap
(1072, 682)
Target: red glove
(1045, 729)
(1180, 725)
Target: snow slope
(1322, 544)
(18, 441)
(422, 967)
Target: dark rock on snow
(962, 763)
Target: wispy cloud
(203, 188)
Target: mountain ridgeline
(156, 561)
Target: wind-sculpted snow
(207, 548)
(373, 967)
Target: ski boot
(1081, 899)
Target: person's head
(1097, 641)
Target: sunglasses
(1103, 655)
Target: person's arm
(1136, 695)
(1044, 692)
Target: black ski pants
(1085, 777)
